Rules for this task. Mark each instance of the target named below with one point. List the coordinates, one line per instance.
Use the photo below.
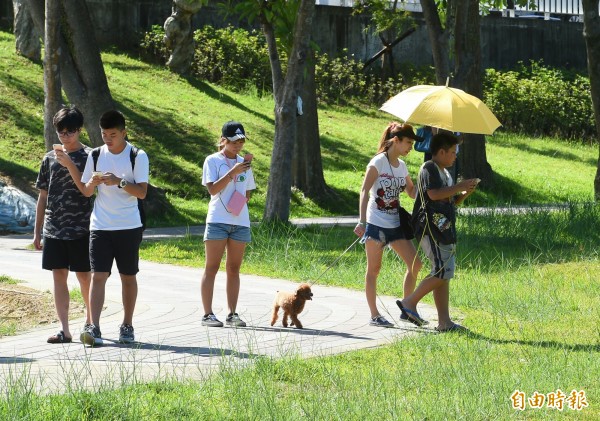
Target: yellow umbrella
(443, 107)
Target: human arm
(138, 190)
(219, 185)
(442, 193)
(40, 210)
(459, 199)
(411, 188)
(65, 160)
(370, 177)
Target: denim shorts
(441, 256)
(384, 236)
(218, 231)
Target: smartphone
(57, 146)
(97, 173)
(248, 157)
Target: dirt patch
(23, 308)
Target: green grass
(529, 297)
(177, 121)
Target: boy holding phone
(434, 214)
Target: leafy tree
(286, 24)
(591, 34)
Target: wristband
(362, 224)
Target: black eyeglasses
(67, 133)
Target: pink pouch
(236, 203)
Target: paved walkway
(172, 341)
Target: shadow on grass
(31, 124)
(19, 175)
(539, 344)
(505, 190)
(549, 152)
(226, 99)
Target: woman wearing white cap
(229, 180)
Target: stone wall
(505, 41)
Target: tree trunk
(27, 36)
(591, 34)
(285, 92)
(179, 36)
(307, 167)
(472, 158)
(82, 72)
(438, 39)
(52, 89)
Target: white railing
(559, 7)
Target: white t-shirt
(215, 166)
(114, 208)
(382, 209)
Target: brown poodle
(292, 305)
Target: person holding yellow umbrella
(434, 217)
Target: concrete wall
(505, 41)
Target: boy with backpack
(121, 178)
(434, 218)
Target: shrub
(538, 100)
(232, 57)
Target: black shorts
(122, 246)
(66, 254)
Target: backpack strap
(95, 155)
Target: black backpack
(132, 155)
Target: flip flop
(411, 316)
(453, 328)
(59, 338)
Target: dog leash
(334, 262)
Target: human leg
(129, 291)
(214, 250)
(407, 252)
(97, 293)
(233, 262)
(85, 279)
(374, 251)
(441, 297)
(61, 299)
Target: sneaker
(91, 335)
(126, 335)
(234, 320)
(380, 321)
(211, 320)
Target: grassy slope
(177, 121)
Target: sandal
(455, 327)
(411, 316)
(59, 338)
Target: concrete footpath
(172, 343)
